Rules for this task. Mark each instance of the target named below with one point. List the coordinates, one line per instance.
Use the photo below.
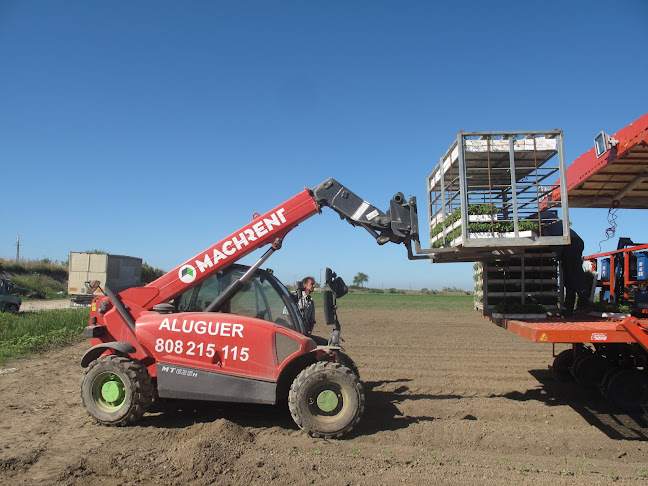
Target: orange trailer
(608, 351)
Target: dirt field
(451, 399)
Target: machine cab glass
(262, 296)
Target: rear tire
(607, 379)
(590, 369)
(628, 390)
(116, 390)
(326, 400)
(561, 368)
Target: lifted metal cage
(489, 189)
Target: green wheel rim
(327, 400)
(109, 392)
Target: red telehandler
(215, 330)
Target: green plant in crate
(493, 226)
(484, 227)
(455, 233)
(611, 307)
(502, 227)
(483, 209)
(447, 222)
(528, 226)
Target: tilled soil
(450, 399)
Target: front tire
(116, 390)
(11, 309)
(326, 400)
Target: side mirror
(339, 287)
(336, 283)
(329, 307)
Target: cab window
(258, 298)
(199, 297)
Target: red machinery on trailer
(608, 352)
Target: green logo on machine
(187, 273)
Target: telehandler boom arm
(270, 229)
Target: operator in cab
(305, 303)
(306, 308)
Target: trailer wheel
(116, 390)
(589, 369)
(561, 368)
(326, 400)
(609, 376)
(628, 390)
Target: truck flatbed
(579, 329)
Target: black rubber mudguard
(95, 351)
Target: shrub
(149, 273)
(395, 291)
(453, 289)
(37, 286)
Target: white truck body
(117, 272)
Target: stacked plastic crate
(522, 285)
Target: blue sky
(154, 129)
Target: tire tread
(141, 383)
(318, 367)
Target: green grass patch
(405, 302)
(31, 332)
(37, 286)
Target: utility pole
(18, 248)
